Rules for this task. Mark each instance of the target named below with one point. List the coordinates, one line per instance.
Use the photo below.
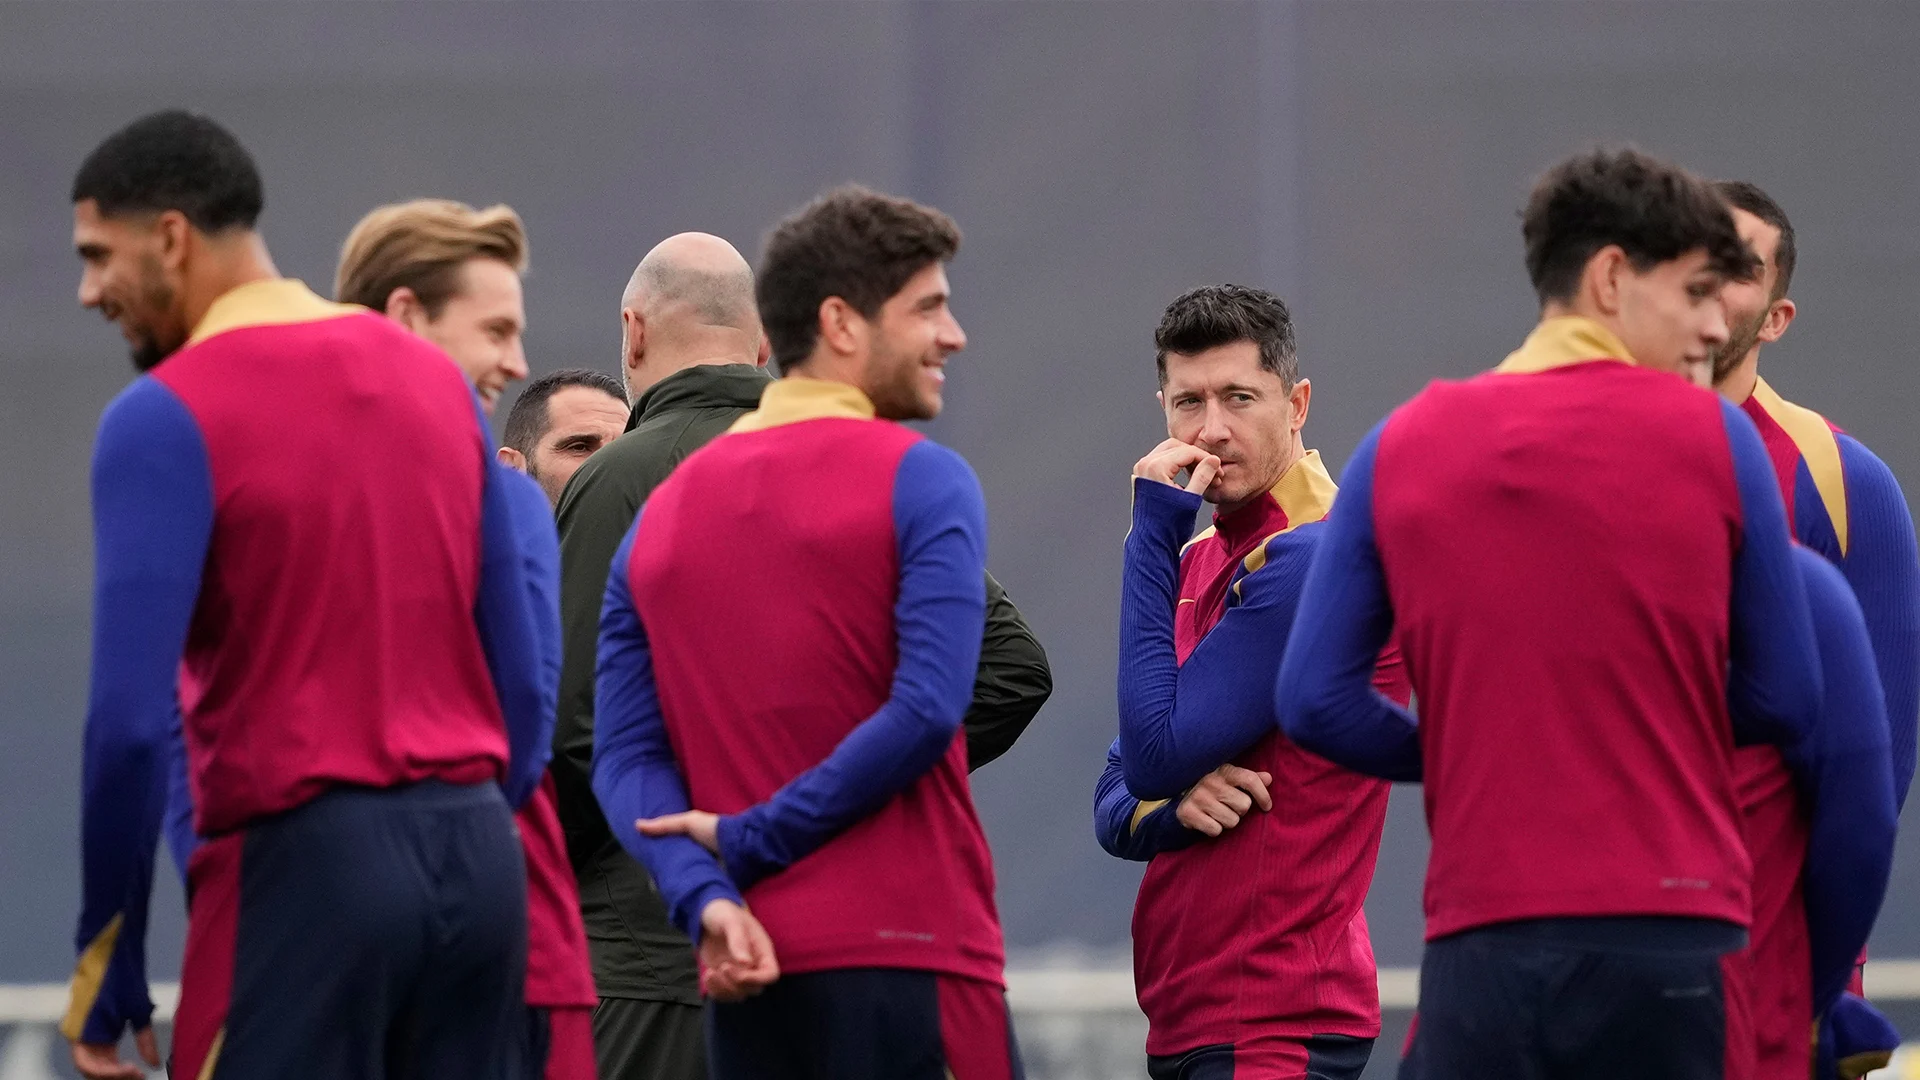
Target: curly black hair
(174, 160)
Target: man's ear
(404, 307)
(172, 233)
(633, 338)
(512, 459)
(841, 327)
(1779, 317)
(1602, 278)
(1302, 398)
(766, 351)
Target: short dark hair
(527, 422)
(853, 243)
(1654, 211)
(174, 160)
(1742, 195)
(1215, 315)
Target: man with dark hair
(360, 873)
(693, 356)
(1844, 503)
(832, 752)
(1250, 951)
(559, 421)
(1586, 564)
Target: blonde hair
(421, 245)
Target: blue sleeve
(1882, 564)
(1128, 828)
(635, 773)
(1847, 781)
(181, 839)
(152, 522)
(1773, 685)
(1325, 695)
(1179, 722)
(940, 526)
(517, 613)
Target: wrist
(1162, 512)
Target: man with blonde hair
(449, 273)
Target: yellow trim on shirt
(213, 1054)
(797, 398)
(88, 975)
(1204, 533)
(1305, 494)
(1140, 814)
(1813, 436)
(1564, 340)
(271, 302)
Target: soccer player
(692, 352)
(1844, 503)
(452, 274)
(346, 640)
(559, 421)
(1586, 564)
(1251, 953)
(793, 625)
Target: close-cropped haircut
(1652, 210)
(1215, 315)
(1742, 195)
(422, 245)
(853, 243)
(527, 423)
(174, 160)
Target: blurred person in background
(693, 355)
(559, 421)
(451, 274)
(1250, 945)
(263, 574)
(1844, 503)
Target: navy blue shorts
(366, 934)
(1576, 999)
(1322, 1057)
(865, 1024)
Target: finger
(740, 943)
(1223, 814)
(100, 1062)
(148, 1046)
(1236, 800)
(1204, 471)
(670, 825)
(1255, 784)
(1196, 819)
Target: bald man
(693, 356)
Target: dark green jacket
(636, 952)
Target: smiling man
(559, 421)
(449, 273)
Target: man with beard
(1843, 503)
(558, 422)
(789, 641)
(345, 639)
(693, 354)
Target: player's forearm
(1130, 829)
(178, 822)
(518, 617)
(1850, 847)
(1014, 680)
(1882, 565)
(122, 802)
(1159, 757)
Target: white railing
(1074, 1023)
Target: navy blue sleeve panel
(1179, 722)
(517, 613)
(152, 523)
(1325, 696)
(940, 526)
(181, 839)
(1128, 828)
(635, 774)
(1773, 687)
(1882, 563)
(1847, 780)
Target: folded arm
(1882, 564)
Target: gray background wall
(1366, 160)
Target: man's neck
(649, 374)
(1738, 385)
(1579, 308)
(225, 264)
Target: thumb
(739, 941)
(671, 825)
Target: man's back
(334, 641)
(1558, 549)
(777, 548)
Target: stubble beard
(156, 298)
(1740, 342)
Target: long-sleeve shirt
(852, 608)
(1587, 568)
(1259, 933)
(637, 952)
(316, 616)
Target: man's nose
(1715, 331)
(89, 290)
(516, 361)
(1213, 425)
(952, 338)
